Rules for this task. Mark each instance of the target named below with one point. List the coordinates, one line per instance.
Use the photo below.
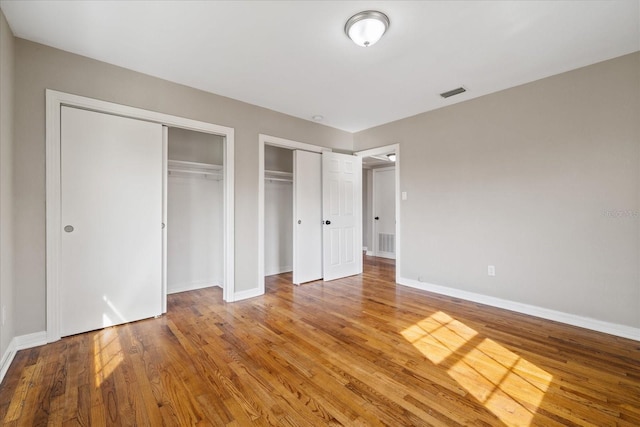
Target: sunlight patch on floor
(509, 386)
(438, 336)
(107, 355)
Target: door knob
(327, 222)
(68, 228)
(299, 221)
(377, 218)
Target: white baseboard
(249, 293)
(31, 340)
(365, 249)
(278, 270)
(623, 331)
(192, 286)
(20, 343)
(7, 358)
(369, 253)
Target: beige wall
(192, 146)
(541, 180)
(39, 67)
(6, 181)
(278, 159)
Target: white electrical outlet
(491, 270)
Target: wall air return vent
(452, 92)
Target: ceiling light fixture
(392, 157)
(366, 28)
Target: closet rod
(279, 179)
(200, 172)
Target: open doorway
(381, 204)
(278, 210)
(383, 236)
(327, 211)
(195, 210)
(293, 214)
(276, 229)
(103, 112)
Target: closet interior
(278, 210)
(195, 202)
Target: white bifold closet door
(111, 192)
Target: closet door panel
(111, 189)
(342, 215)
(307, 247)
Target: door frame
(54, 101)
(373, 205)
(395, 148)
(275, 141)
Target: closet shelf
(205, 169)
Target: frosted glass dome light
(366, 28)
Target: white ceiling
(293, 56)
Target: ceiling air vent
(452, 92)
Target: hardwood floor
(357, 351)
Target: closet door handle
(68, 228)
(377, 218)
(327, 222)
(299, 221)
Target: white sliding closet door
(342, 213)
(111, 192)
(307, 215)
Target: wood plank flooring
(355, 352)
